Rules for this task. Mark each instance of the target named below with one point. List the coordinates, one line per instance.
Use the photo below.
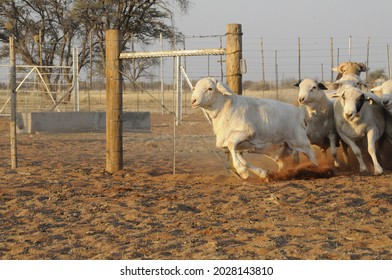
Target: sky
(280, 23)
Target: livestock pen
(61, 203)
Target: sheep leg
(307, 150)
(332, 144)
(345, 152)
(357, 152)
(302, 144)
(295, 157)
(286, 152)
(256, 170)
(371, 137)
(240, 168)
(310, 154)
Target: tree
(46, 30)
(43, 32)
(140, 21)
(377, 74)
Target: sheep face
(345, 68)
(309, 91)
(206, 92)
(386, 102)
(386, 95)
(384, 88)
(349, 80)
(353, 100)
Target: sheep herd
(345, 117)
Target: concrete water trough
(70, 122)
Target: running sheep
(255, 125)
(386, 102)
(359, 116)
(319, 117)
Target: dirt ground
(60, 203)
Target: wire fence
(267, 60)
(38, 89)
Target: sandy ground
(60, 203)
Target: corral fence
(114, 84)
(43, 88)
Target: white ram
(319, 117)
(256, 125)
(346, 68)
(349, 80)
(386, 102)
(377, 85)
(358, 116)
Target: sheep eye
(313, 88)
(209, 89)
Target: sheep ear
(363, 84)
(337, 94)
(297, 83)
(322, 86)
(215, 81)
(362, 67)
(223, 88)
(337, 82)
(339, 68)
(373, 99)
(378, 88)
(339, 76)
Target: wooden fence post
(14, 158)
(299, 59)
(234, 57)
(331, 52)
(114, 128)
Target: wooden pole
(114, 131)
(338, 57)
(91, 71)
(161, 74)
(322, 72)
(233, 57)
(262, 64)
(276, 75)
(389, 62)
(75, 67)
(179, 91)
(299, 59)
(367, 59)
(331, 49)
(14, 158)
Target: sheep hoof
(378, 171)
(364, 170)
(244, 175)
(262, 173)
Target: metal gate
(42, 89)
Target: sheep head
(345, 68)
(386, 97)
(349, 80)
(206, 91)
(352, 100)
(310, 91)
